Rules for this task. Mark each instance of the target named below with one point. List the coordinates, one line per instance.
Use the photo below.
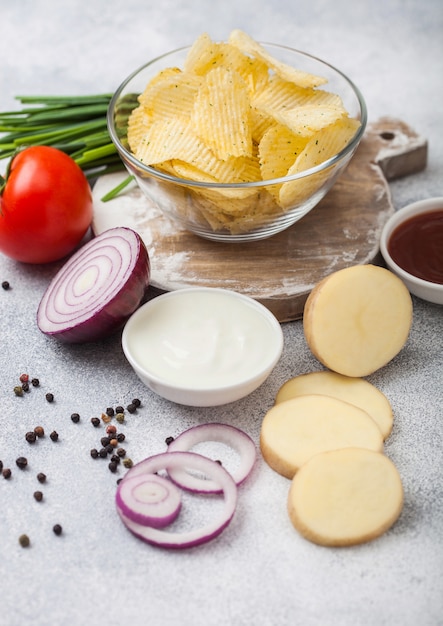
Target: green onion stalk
(75, 125)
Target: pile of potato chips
(234, 114)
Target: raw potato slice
(294, 431)
(345, 497)
(357, 319)
(353, 390)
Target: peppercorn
(54, 435)
(6, 285)
(119, 409)
(110, 411)
(103, 453)
(95, 421)
(119, 480)
(115, 458)
(127, 463)
(75, 417)
(25, 386)
(24, 378)
(169, 440)
(121, 452)
(24, 541)
(120, 417)
(35, 382)
(104, 441)
(49, 397)
(31, 437)
(1, 465)
(18, 390)
(121, 437)
(41, 477)
(21, 462)
(136, 402)
(114, 442)
(39, 431)
(111, 429)
(94, 453)
(6, 473)
(57, 529)
(113, 466)
(38, 496)
(105, 418)
(109, 449)
(131, 408)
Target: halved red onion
(187, 539)
(149, 499)
(97, 289)
(222, 433)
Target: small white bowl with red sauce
(412, 246)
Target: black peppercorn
(119, 409)
(25, 386)
(121, 437)
(104, 441)
(75, 417)
(5, 285)
(6, 473)
(113, 466)
(121, 452)
(131, 408)
(169, 440)
(136, 402)
(21, 462)
(35, 382)
(31, 437)
(103, 453)
(110, 411)
(41, 477)
(49, 397)
(38, 496)
(95, 421)
(1, 466)
(109, 449)
(115, 458)
(54, 435)
(24, 541)
(57, 529)
(94, 453)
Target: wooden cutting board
(342, 230)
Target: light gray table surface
(259, 571)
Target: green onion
(74, 124)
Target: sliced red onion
(187, 539)
(97, 289)
(149, 499)
(222, 433)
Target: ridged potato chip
(221, 113)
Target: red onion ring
(222, 433)
(97, 289)
(216, 472)
(149, 499)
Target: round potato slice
(294, 431)
(345, 497)
(357, 319)
(353, 390)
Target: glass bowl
(195, 205)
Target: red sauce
(417, 246)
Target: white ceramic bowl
(202, 346)
(424, 289)
(195, 205)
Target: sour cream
(202, 339)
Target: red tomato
(46, 206)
